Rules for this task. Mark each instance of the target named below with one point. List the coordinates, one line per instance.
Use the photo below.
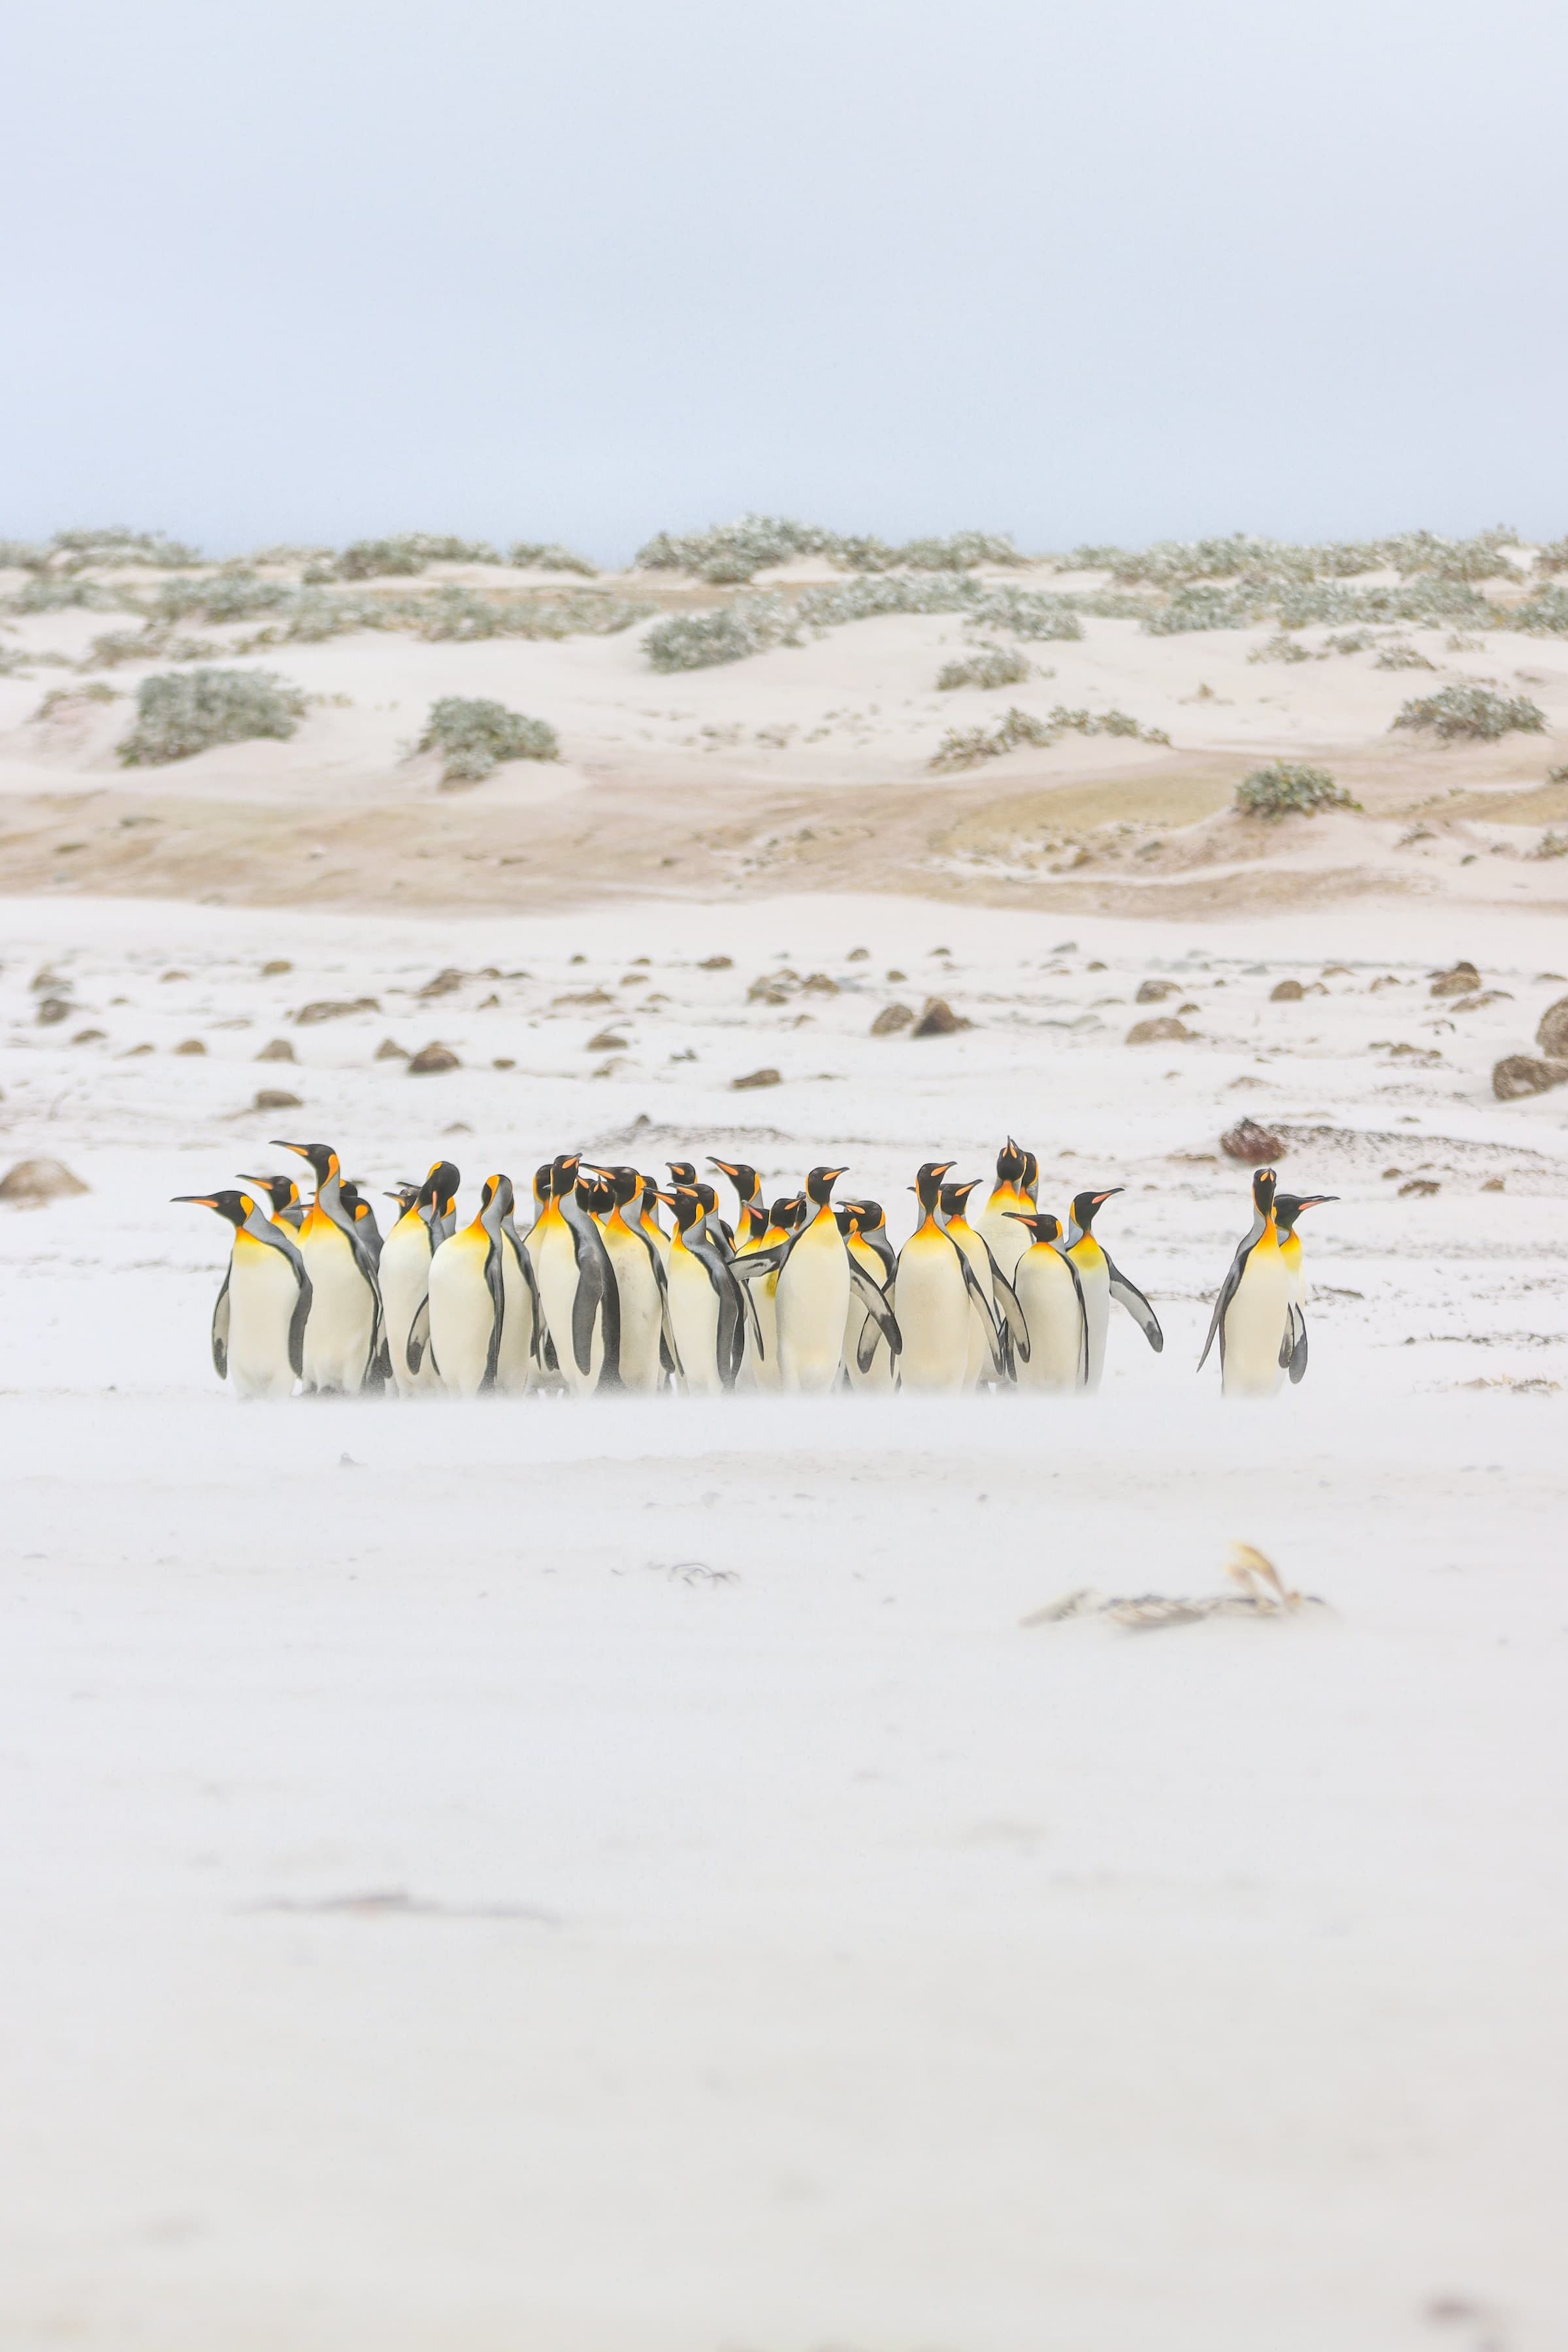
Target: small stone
(278, 1049)
(1286, 991)
(1255, 1146)
(1165, 1030)
(190, 1046)
(859, 955)
(1522, 1074)
(275, 1099)
(1154, 991)
(333, 1008)
(818, 983)
(754, 1078)
(389, 1050)
(89, 1036)
(31, 1183)
(1390, 1174)
(45, 983)
(276, 967)
(504, 1062)
(431, 1059)
(1494, 1184)
(52, 1009)
(173, 975)
(1094, 967)
(1551, 1036)
(717, 964)
(893, 975)
(446, 982)
(606, 1041)
(1458, 982)
(1422, 1187)
(891, 1018)
(938, 1019)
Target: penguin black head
(786, 1214)
(867, 1216)
(323, 1160)
(1085, 1204)
(1031, 1175)
(746, 1180)
(1264, 1180)
(348, 1192)
(844, 1217)
(597, 1193)
(439, 1189)
(1011, 1164)
(1043, 1227)
(236, 1206)
(819, 1185)
(404, 1195)
(495, 1198)
(1288, 1206)
(687, 1204)
(682, 1171)
(927, 1183)
(281, 1192)
(956, 1197)
(625, 1185)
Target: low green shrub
(700, 640)
(966, 747)
(1280, 648)
(1473, 714)
(532, 555)
(1284, 788)
(1403, 658)
(407, 552)
(178, 714)
(474, 738)
(730, 555)
(987, 667)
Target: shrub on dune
(181, 713)
(989, 666)
(474, 738)
(407, 552)
(1473, 714)
(1284, 788)
(536, 555)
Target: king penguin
(263, 1308)
(1012, 1196)
(864, 1232)
(640, 1285)
(931, 1297)
(576, 1284)
(812, 1300)
(707, 1307)
(1102, 1281)
(343, 1336)
(1252, 1319)
(283, 1194)
(1050, 1296)
(466, 1311)
(404, 1271)
(1287, 1207)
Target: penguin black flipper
(1229, 1289)
(878, 1312)
(220, 1329)
(751, 1262)
(749, 1316)
(1127, 1294)
(418, 1342)
(586, 1309)
(982, 1307)
(1066, 1256)
(1299, 1352)
(497, 1289)
(1011, 1308)
(298, 1321)
(523, 1266)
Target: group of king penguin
(801, 1296)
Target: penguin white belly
(813, 1307)
(554, 1258)
(1050, 1300)
(1004, 1236)
(262, 1296)
(404, 1276)
(515, 1366)
(641, 1319)
(694, 1320)
(342, 1311)
(1095, 1276)
(462, 1312)
(1255, 1325)
(933, 1315)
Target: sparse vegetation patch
(1284, 788)
(474, 738)
(408, 552)
(966, 747)
(535, 555)
(181, 713)
(729, 554)
(1473, 714)
(988, 666)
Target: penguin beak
(196, 1200)
(1097, 1198)
(1317, 1200)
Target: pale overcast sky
(1116, 270)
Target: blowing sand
(626, 1878)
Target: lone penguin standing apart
(1252, 1319)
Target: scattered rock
(582, 997)
(277, 1050)
(859, 955)
(389, 1050)
(190, 1046)
(1154, 991)
(331, 1008)
(276, 967)
(754, 1078)
(1255, 1146)
(491, 1003)
(606, 1041)
(1422, 1187)
(1522, 1074)
(431, 1059)
(893, 975)
(1456, 981)
(891, 1018)
(275, 1099)
(45, 983)
(938, 1019)
(717, 964)
(88, 1036)
(31, 1183)
(504, 1062)
(443, 983)
(1166, 1030)
(818, 983)
(1553, 1035)
(173, 975)
(1286, 991)
(1390, 1174)
(1494, 1184)
(52, 1009)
